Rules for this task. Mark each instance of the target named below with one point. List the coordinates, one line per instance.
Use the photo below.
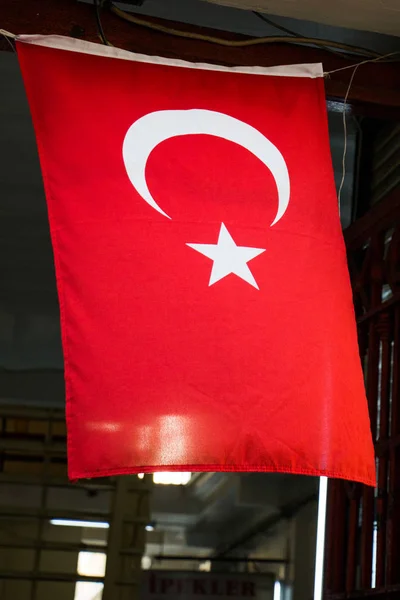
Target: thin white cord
(344, 114)
(345, 134)
(364, 62)
(326, 74)
(8, 36)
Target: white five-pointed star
(228, 258)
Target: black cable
(300, 36)
(276, 25)
(290, 31)
(97, 6)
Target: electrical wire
(240, 43)
(295, 34)
(97, 6)
(276, 25)
(344, 115)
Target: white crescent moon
(152, 129)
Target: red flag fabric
(206, 310)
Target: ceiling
(217, 514)
(224, 514)
(308, 20)
(381, 16)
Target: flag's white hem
(73, 45)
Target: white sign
(184, 585)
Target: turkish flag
(206, 310)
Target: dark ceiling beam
(227, 559)
(284, 513)
(374, 83)
(381, 216)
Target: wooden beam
(380, 217)
(374, 83)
